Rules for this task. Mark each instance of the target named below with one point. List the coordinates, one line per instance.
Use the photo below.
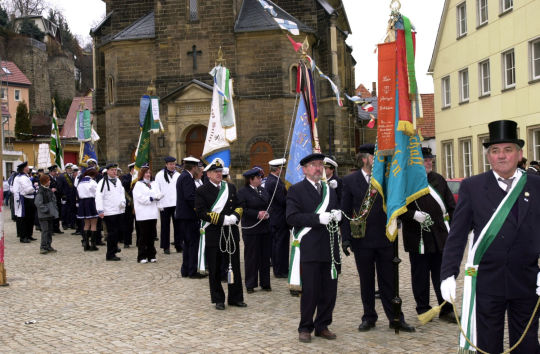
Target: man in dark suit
(318, 287)
(372, 249)
(217, 205)
(187, 219)
(507, 274)
(425, 229)
(53, 174)
(278, 223)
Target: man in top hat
(278, 223)
(188, 222)
(24, 192)
(372, 250)
(53, 174)
(217, 206)
(501, 207)
(311, 205)
(330, 168)
(110, 205)
(128, 218)
(166, 179)
(425, 229)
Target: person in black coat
(330, 166)
(188, 222)
(254, 201)
(128, 218)
(426, 243)
(279, 230)
(372, 249)
(221, 222)
(507, 277)
(53, 174)
(318, 287)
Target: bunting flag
(287, 25)
(222, 122)
(300, 145)
(83, 127)
(149, 107)
(55, 145)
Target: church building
(173, 44)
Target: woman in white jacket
(146, 194)
(86, 191)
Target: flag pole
(3, 281)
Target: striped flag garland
(287, 25)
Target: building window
(506, 5)
(110, 90)
(534, 50)
(448, 159)
(461, 12)
(9, 167)
(293, 71)
(509, 69)
(485, 83)
(536, 144)
(445, 89)
(485, 163)
(466, 158)
(464, 85)
(17, 95)
(482, 11)
(193, 11)
(3, 94)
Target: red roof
(427, 125)
(68, 130)
(12, 74)
(362, 91)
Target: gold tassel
(427, 316)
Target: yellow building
(485, 67)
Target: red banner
(405, 117)
(387, 98)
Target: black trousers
(280, 248)
(47, 229)
(113, 223)
(127, 226)
(490, 312)
(145, 242)
(424, 266)
(68, 214)
(367, 261)
(27, 221)
(257, 250)
(190, 230)
(214, 259)
(318, 293)
(166, 215)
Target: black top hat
(503, 131)
(367, 149)
(426, 153)
(312, 157)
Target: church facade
(173, 44)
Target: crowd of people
(310, 219)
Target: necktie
(368, 176)
(508, 183)
(113, 180)
(318, 187)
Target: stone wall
(61, 76)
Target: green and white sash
(476, 252)
(295, 282)
(220, 202)
(433, 192)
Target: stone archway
(259, 154)
(195, 138)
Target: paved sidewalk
(81, 303)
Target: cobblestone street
(81, 303)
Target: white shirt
(167, 188)
(516, 176)
(86, 188)
(113, 201)
(145, 209)
(366, 176)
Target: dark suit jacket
(302, 200)
(185, 197)
(252, 202)
(205, 197)
(64, 184)
(354, 190)
(339, 189)
(510, 265)
(279, 203)
(433, 241)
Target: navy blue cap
(145, 165)
(367, 149)
(255, 171)
(312, 157)
(112, 164)
(52, 168)
(169, 159)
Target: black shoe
(126, 246)
(24, 240)
(366, 326)
(100, 243)
(167, 251)
(43, 251)
(403, 326)
(178, 250)
(238, 304)
(118, 250)
(448, 317)
(295, 293)
(50, 249)
(266, 288)
(220, 306)
(281, 275)
(250, 290)
(197, 276)
(32, 238)
(114, 258)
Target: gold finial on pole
(220, 60)
(151, 89)
(305, 47)
(82, 105)
(53, 102)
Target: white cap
(68, 165)
(328, 160)
(94, 160)
(216, 164)
(191, 159)
(75, 167)
(225, 171)
(277, 162)
(131, 164)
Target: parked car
(453, 184)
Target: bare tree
(25, 7)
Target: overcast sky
(368, 20)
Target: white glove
(448, 289)
(233, 219)
(420, 216)
(538, 284)
(336, 214)
(333, 184)
(159, 196)
(228, 220)
(324, 218)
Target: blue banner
(300, 145)
(89, 152)
(143, 109)
(224, 155)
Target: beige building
(485, 67)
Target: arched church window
(110, 90)
(193, 10)
(260, 153)
(293, 71)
